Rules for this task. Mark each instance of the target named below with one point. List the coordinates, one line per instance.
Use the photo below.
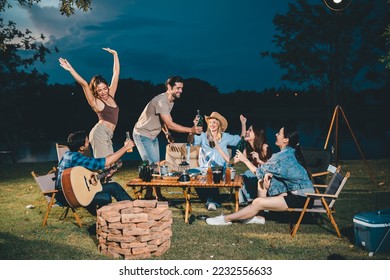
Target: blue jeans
(248, 191)
(112, 189)
(209, 195)
(148, 148)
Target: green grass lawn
(23, 238)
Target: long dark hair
(293, 142)
(259, 141)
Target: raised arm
(83, 83)
(115, 72)
(243, 125)
(110, 159)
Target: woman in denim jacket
(284, 176)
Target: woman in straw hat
(214, 152)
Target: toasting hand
(129, 144)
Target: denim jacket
(288, 174)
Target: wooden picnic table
(199, 182)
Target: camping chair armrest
(320, 174)
(320, 195)
(319, 186)
(50, 192)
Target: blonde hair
(219, 132)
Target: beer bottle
(241, 145)
(190, 137)
(128, 138)
(200, 119)
(228, 175)
(209, 175)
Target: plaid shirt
(72, 159)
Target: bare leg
(262, 189)
(276, 203)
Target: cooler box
(372, 230)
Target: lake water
(373, 140)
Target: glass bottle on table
(209, 175)
(228, 175)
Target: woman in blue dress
(214, 152)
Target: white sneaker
(255, 220)
(212, 207)
(217, 221)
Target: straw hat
(218, 116)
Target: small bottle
(128, 138)
(228, 174)
(209, 175)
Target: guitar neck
(106, 172)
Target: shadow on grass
(312, 219)
(13, 247)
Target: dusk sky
(218, 41)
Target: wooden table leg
(137, 194)
(236, 190)
(188, 210)
(155, 192)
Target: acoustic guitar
(80, 185)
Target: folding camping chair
(61, 149)
(47, 185)
(317, 160)
(323, 201)
(176, 152)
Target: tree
(20, 82)
(329, 51)
(386, 35)
(67, 6)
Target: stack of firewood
(134, 229)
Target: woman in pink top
(100, 97)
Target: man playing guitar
(78, 143)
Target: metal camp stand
(335, 119)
